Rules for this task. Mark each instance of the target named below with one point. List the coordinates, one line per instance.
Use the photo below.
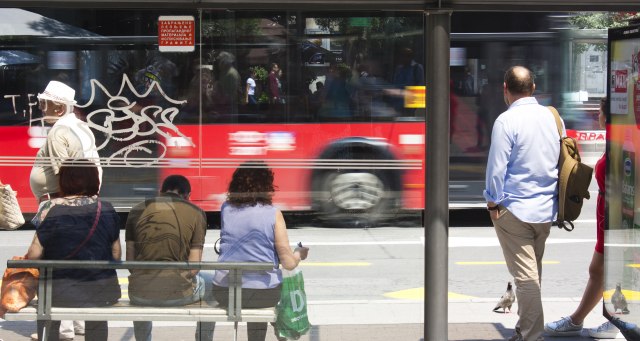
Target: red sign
(620, 81)
(176, 33)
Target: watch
(493, 208)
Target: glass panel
(340, 122)
(569, 67)
(111, 59)
(622, 252)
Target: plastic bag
(292, 321)
(19, 287)
(10, 214)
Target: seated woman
(253, 230)
(79, 226)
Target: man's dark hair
(176, 183)
(519, 80)
(79, 177)
(251, 183)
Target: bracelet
(493, 208)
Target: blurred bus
(342, 125)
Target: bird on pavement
(506, 301)
(619, 301)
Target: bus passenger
(250, 91)
(79, 226)
(274, 84)
(165, 228)
(253, 230)
(228, 96)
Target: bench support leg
(235, 331)
(46, 330)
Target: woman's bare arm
(289, 259)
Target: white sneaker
(605, 331)
(562, 327)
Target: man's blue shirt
(522, 170)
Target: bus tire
(353, 197)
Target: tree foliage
(599, 20)
(602, 20)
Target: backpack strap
(557, 117)
(560, 219)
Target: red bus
(338, 133)
(341, 120)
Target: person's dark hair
(251, 183)
(604, 105)
(79, 177)
(176, 183)
(519, 80)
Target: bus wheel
(353, 198)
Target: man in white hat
(69, 137)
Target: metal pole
(436, 222)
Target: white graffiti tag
(142, 129)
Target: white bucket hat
(58, 92)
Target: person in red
(274, 83)
(572, 325)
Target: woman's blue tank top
(247, 235)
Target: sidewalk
(382, 320)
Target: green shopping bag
(292, 321)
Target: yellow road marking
(633, 265)
(408, 294)
(501, 262)
(630, 295)
(418, 294)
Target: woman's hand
(302, 252)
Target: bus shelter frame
(437, 41)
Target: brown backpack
(574, 178)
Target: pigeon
(506, 301)
(619, 301)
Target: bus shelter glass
(622, 234)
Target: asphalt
(384, 320)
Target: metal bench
(205, 311)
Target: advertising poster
(622, 223)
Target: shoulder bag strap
(93, 229)
(557, 117)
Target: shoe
(605, 331)
(562, 327)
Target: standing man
(68, 138)
(165, 228)
(522, 192)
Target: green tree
(599, 20)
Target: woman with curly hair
(253, 230)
